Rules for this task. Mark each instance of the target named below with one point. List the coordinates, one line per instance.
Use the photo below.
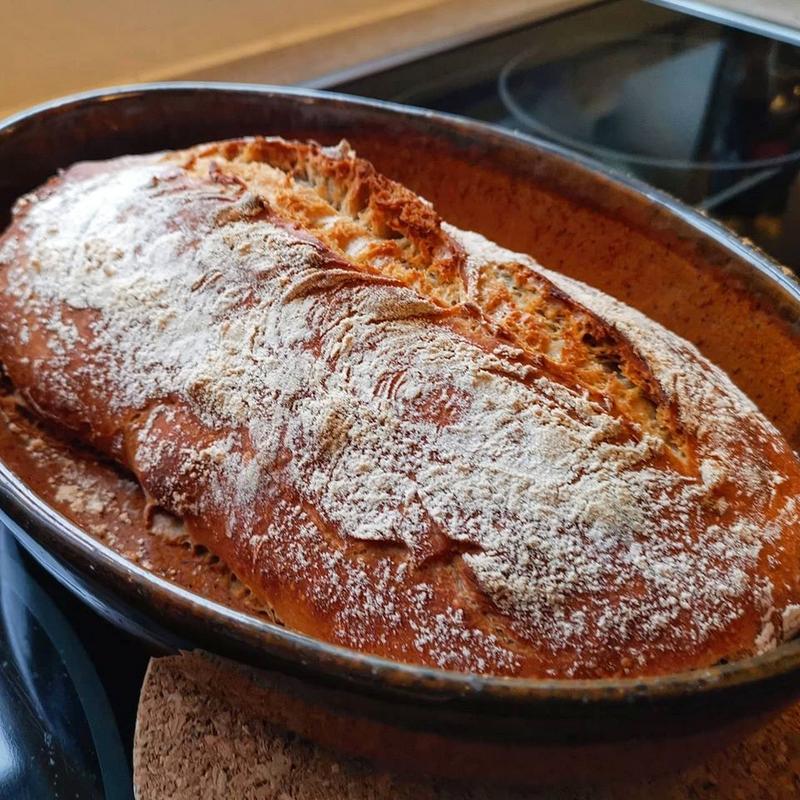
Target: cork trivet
(200, 744)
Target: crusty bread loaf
(403, 438)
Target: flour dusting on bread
(404, 438)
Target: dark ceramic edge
(351, 666)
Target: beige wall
(52, 47)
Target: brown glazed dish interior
(632, 242)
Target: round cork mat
(195, 743)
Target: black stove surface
(69, 685)
(708, 113)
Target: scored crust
(380, 225)
(403, 438)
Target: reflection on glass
(713, 118)
(58, 736)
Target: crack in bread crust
(381, 225)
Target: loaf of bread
(403, 438)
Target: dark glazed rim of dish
(244, 633)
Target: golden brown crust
(407, 237)
(474, 565)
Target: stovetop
(706, 112)
(69, 686)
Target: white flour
(397, 426)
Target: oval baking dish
(622, 236)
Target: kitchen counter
(52, 48)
